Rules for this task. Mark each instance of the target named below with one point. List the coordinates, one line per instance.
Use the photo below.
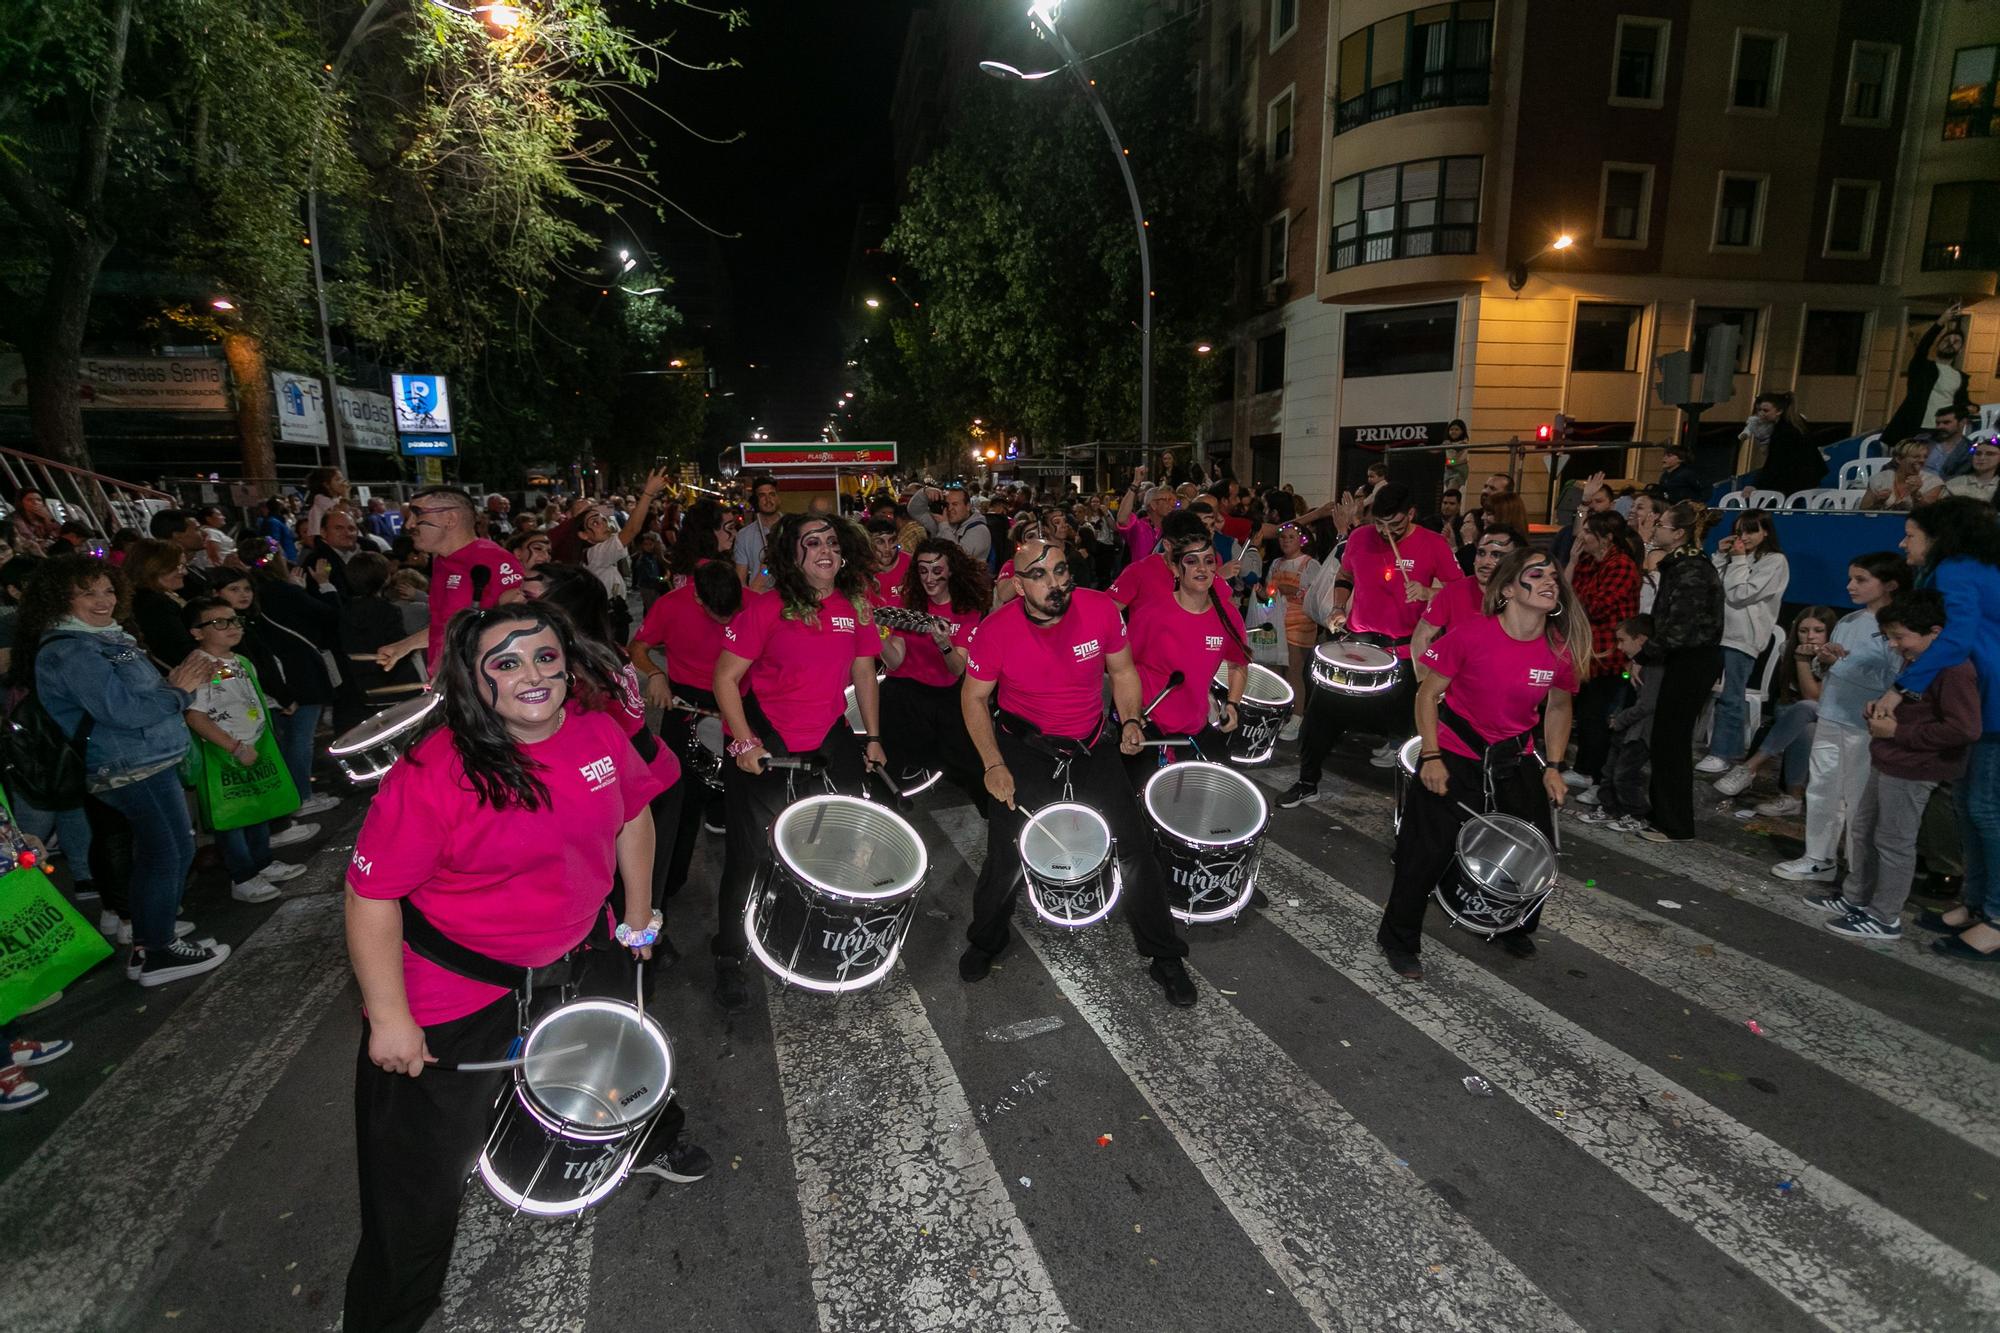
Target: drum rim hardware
(898, 901)
(350, 753)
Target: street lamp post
(501, 16)
(1042, 18)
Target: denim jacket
(139, 716)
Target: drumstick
(482, 1066)
(1174, 682)
(1497, 828)
(1396, 554)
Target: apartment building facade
(1820, 174)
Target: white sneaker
(1711, 764)
(1807, 870)
(1290, 731)
(1734, 781)
(279, 871)
(1781, 805)
(1627, 824)
(255, 889)
(108, 925)
(1572, 778)
(314, 805)
(1588, 796)
(295, 834)
(1384, 756)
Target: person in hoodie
(1622, 797)
(1917, 744)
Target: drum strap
(1502, 755)
(434, 946)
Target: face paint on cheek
(493, 681)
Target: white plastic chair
(1756, 693)
(1802, 499)
(1837, 499)
(1872, 446)
(1767, 499)
(1735, 500)
(1857, 472)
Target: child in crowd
(1923, 741)
(230, 714)
(1622, 797)
(1858, 665)
(1288, 577)
(1788, 743)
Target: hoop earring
(1557, 613)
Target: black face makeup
(1045, 581)
(525, 673)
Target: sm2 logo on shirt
(1541, 676)
(1085, 651)
(599, 773)
(843, 624)
(1213, 643)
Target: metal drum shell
(1052, 881)
(1188, 834)
(1261, 713)
(367, 752)
(1352, 667)
(1503, 872)
(1406, 773)
(866, 875)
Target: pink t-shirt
(922, 662)
(689, 635)
(628, 706)
(451, 586)
(1052, 675)
(1454, 602)
(1497, 681)
(1379, 605)
(1141, 535)
(1167, 637)
(889, 583)
(522, 886)
(800, 672)
(1141, 581)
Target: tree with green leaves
(1018, 237)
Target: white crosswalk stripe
(1358, 1239)
(907, 1221)
(1833, 1251)
(1948, 1086)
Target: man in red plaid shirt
(1604, 568)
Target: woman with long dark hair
(708, 532)
(1687, 619)
(1955, 545)
(1519, 661)
(87, 672)
(780, 684)
(487, 853)
(157, 574)
(1604, 570)
(686, 626)
(922, 724)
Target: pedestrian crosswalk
(1057, 1148)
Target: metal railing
(1422, 91)
(103, 504)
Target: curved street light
(1042, 16)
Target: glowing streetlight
(222, 303)
(872, 303)
(1203, 349)
(1517, 276)
(1562, 242)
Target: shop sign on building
(134, 384)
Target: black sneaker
(1831, 902)
(732, 992)
(1518, 943)
(178, 960)
(975, 963)
(683, 1163)
(1259, 898)
(1297, 794)
(1172, 975)
(1405, 965)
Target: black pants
(923, 727)
(110, 856)
(755, 802)
(1427, 843)
(1688, 675)
(1595, 701)
(1623, 789)
(1099, 781)
(678, 811)
(1331, 714)
(417, 1140)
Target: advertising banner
(134, 384)
(818, 454)
(296, 403)
(367, 419)
(423, 404)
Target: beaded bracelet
(639, 939)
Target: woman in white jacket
(1754, 576)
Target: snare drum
(1208, 822)
(370, 750)
(839, 896)
(1070, 862)
(1261, 713)
(1406, 773)
(705, 755)
(568, 1132)
(1505, 868)
(1348, 666)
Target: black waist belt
(1021, 729)
(1501, 755)
(434, 946)
(694, 694)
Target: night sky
(813, 98)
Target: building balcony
(1425, 92)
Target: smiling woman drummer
(478, 879)
(1486, 683)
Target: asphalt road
(1057, 1148)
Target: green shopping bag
(44, 944)
(228, 795)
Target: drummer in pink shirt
(1488, 681)
(1040, 664)
(923, 727)
(1462, 599)
(892, 562)
(1193, 631)
(1153, 574)
(781, 686)
(441, 524)
(1390, 570)
(487, 855)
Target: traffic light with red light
(1544, 433)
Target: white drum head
(851, 849)
(708, 732)
(1355, 656)
(1065, 843)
